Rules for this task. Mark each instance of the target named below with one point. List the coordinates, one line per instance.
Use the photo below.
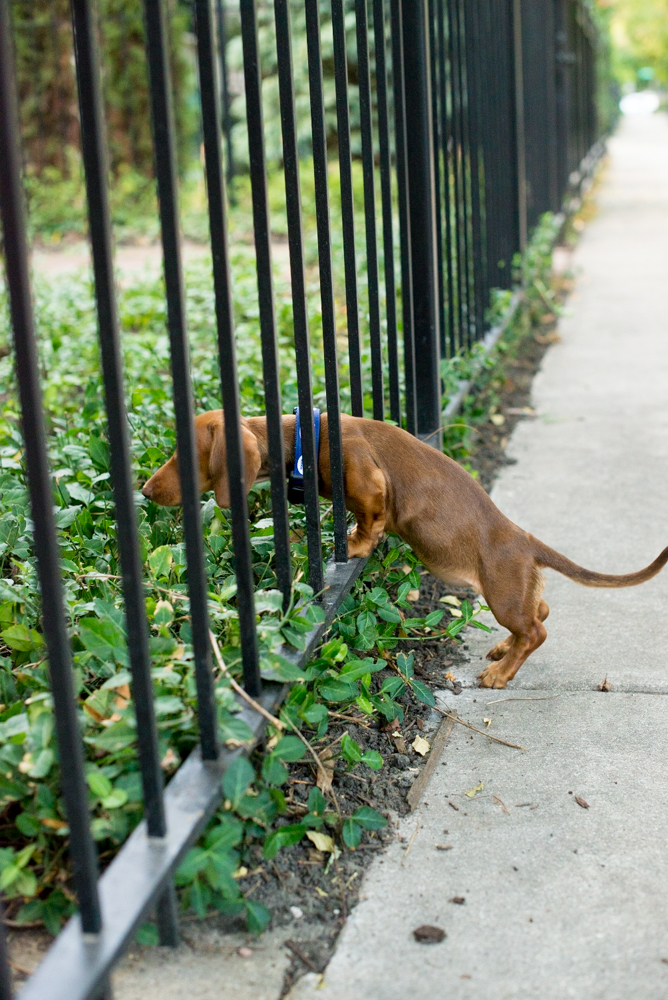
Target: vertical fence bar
(422, 216)
(320, 167)
(70, 746)
(6, 992)
(238, 486)
(436, 127)
(366, 130)
(299, 303)
(452, 330)
(401, 147)
(471, 34)
(162, 118)
(262, 231)
(460, 69)
(386, 197)
(95, 163)
(226, 119)
(455, 140)
(519, 122)
(347, 206)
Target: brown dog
(393, 482)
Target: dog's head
(164, 486)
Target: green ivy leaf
(236, 780)
(295, 639)
(273, 771)
(369, 818)
(422, 693)
(372, 759)
(351, 833)
(257, 916)
(21, 638)
(365, 621)
(317, 803)
(351, 749)
(390, 614)
(160, 562)
(405, 664)
(289, 748)
(283, 837)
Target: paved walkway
(560, 900)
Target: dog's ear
(218, 462)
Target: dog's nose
(146, 490)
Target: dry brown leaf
(322, 841)
(604, 685)
(427, 934)
(413, 595)
(581, 802)
(459, 900)
(325, 773)
(421, 745)
(93, 712)
(53, 824)
(391, 726)
(450, 599)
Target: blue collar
(296, 480)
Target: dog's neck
(258, 426)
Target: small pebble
(297, 912)
(245, 952)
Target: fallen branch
(238, 688)
(480, 732)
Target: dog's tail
(545, 556)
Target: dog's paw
(492, 678)
(497, 652)
(358, 547)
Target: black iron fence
(475, 117)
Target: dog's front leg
(366, 490)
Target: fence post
(421, 192)
(519, 122)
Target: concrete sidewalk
(561, 900)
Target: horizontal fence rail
(447, 128)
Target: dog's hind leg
(499, 651)
(522, 612)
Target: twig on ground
(349, 718)
(480, 732)
(500, 701)
(278, 873)
(320, 767)
(19, 968)
(238, 688)
(410, 844)
(298, 953)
